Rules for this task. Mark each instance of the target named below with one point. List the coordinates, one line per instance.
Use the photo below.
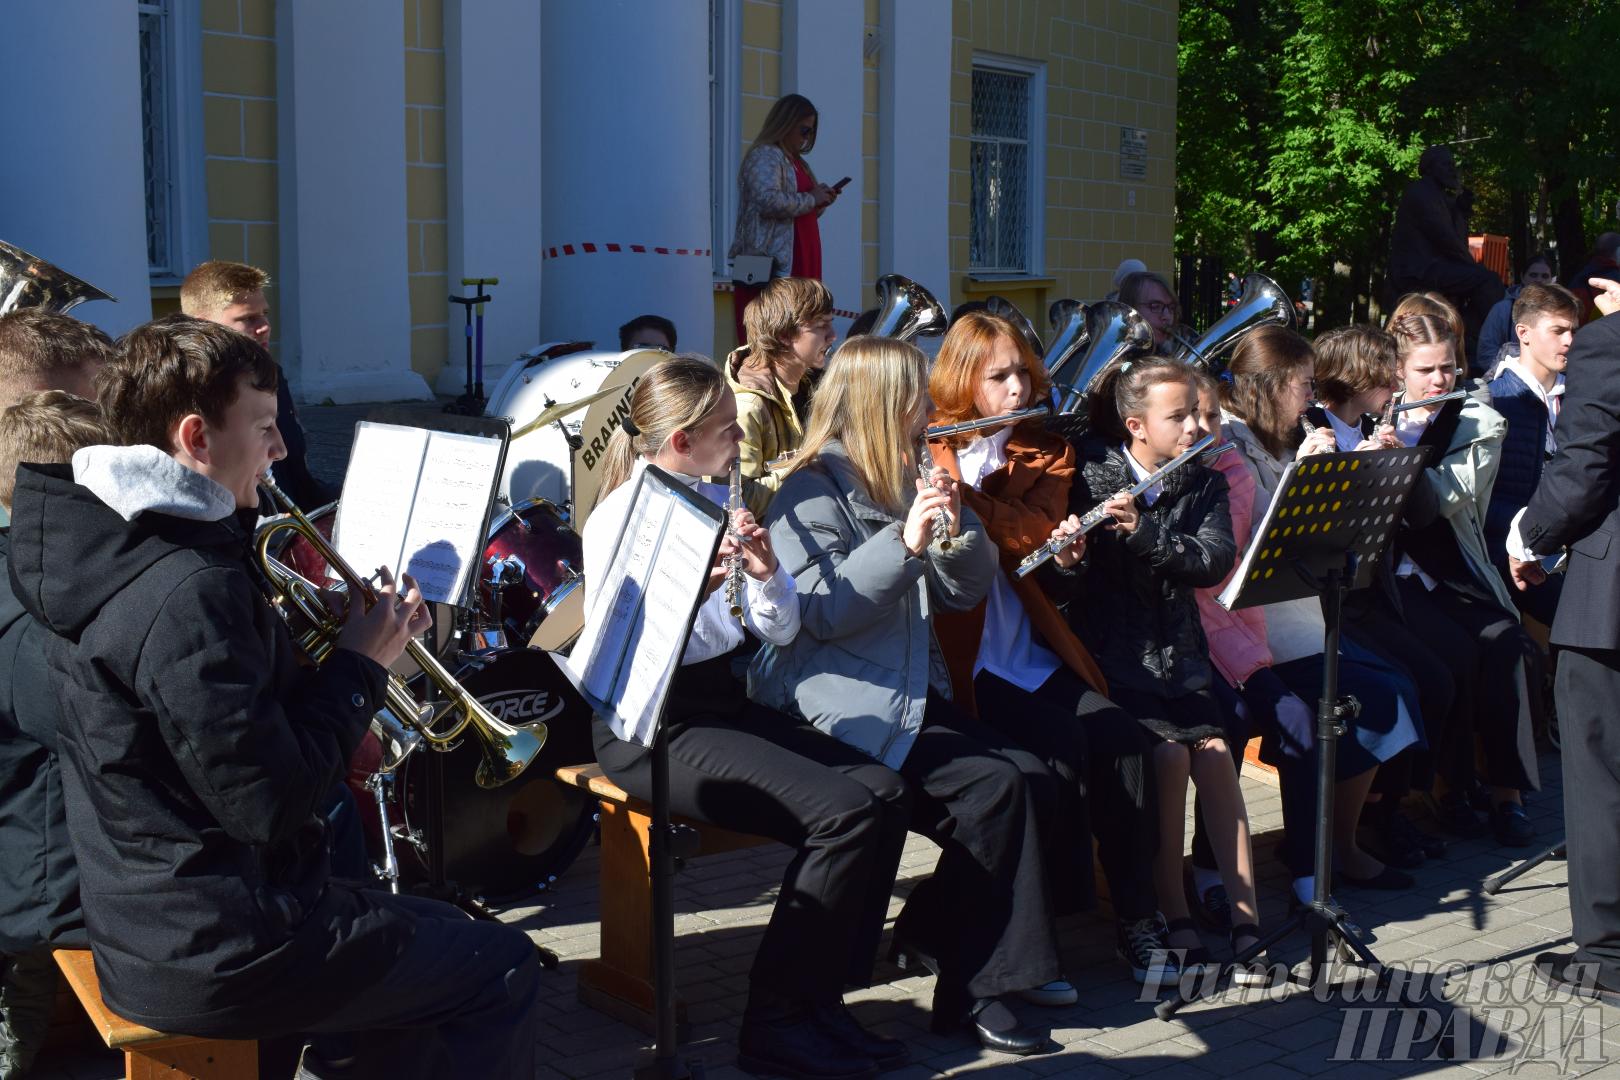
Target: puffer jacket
(865, 657)
(768, 199)
(1524, 452)
(1237, 639)
(1140, 615)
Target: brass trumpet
(507, 749)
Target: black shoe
(1142, 945)
(1388, 878)
(996, 1028)
(912, 959)
(1453, 814)
(1188, 958)
(1511, 827)
(1384, 836)
(1432, 846)
(836, 1020)
(1562, 971)
(791, 1043)
(1212, 908)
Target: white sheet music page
(443, 542)
(378, 491)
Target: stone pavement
(1493, 1011)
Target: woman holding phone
(779, 200)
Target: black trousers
(984, 913)
(743, 766)
(1496, 669)
(1376, 626)
(1588, 685)
(1099, 755)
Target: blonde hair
(215, 285)
(774, 317)
(45, 426)
(871, 400)
(785, 116)
(1433, 304)
(676, 394)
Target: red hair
(962, 359)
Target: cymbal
(562, 409)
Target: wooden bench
(620, 982)
(154, 1055)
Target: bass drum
(540, 464)
(513, 841)
(542, 560)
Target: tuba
(1069, 333)
(29, 281)
(507, 749)
(1006, 309)
(1263, 303)
(906, 309)
(1114, 330)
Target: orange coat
(1020, 504)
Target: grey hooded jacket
(865, 656)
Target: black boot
(780, 1037)
(836, 1020)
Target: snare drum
(532, 564)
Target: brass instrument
(906, 310)
(1070, 333)
(1263, 303)
(925, 472)
(734, 561)
(1006, 309)
(983, 422)
(29, 281)
(1097, 515)
(1113, 330)
(507, 749)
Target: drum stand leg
(381, 786)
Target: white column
(626, 147)
(72, 191)
(346, 314)
(822, 59)
(492, 120)
(914, 105)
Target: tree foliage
(1300, 122)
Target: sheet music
(636, 629)
(378, 491)
(1228, 596)
(443, 542)
(414, 500)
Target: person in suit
(1575, 507)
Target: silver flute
(1424, 403)
(925, 472)
(1097, 515)
(734, 561)
(946, 430)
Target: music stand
(486, 427)
(623, 663)
(1323, 534)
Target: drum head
(601, 421)
(512, 841)
(562, 623)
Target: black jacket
(39, 882)
(292, 473)
(1139, 614)
(196, 751)
(1524, 451)
(1575, 504)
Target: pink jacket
(1237, 639)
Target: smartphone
(840, 185)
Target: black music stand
(1328, 525)
(630, 588)
(484, 427)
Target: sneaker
(1510, 825)
(1145, 946)
(1212, 908)
(1054, 994)
(1453, 814)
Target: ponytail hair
(1122, 390)
(1263, 364)
(676, 394)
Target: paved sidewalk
(1492, 1009)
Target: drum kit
(514, 839)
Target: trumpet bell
(505, 754)
(906, 310)
(1263, 303)
(29, 281)
(1006, 309)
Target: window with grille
(171, 136)
(725, 47)
(156, 137)
(1003, 155)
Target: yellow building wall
(426, 187)
(1108, 65)
(239, 136)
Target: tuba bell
(1069, 334)
(906, 310)
(28, 281)
(1006, 309)
(1114, 330)
(1263, 303)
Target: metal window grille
(998, 161)
(155, 136)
